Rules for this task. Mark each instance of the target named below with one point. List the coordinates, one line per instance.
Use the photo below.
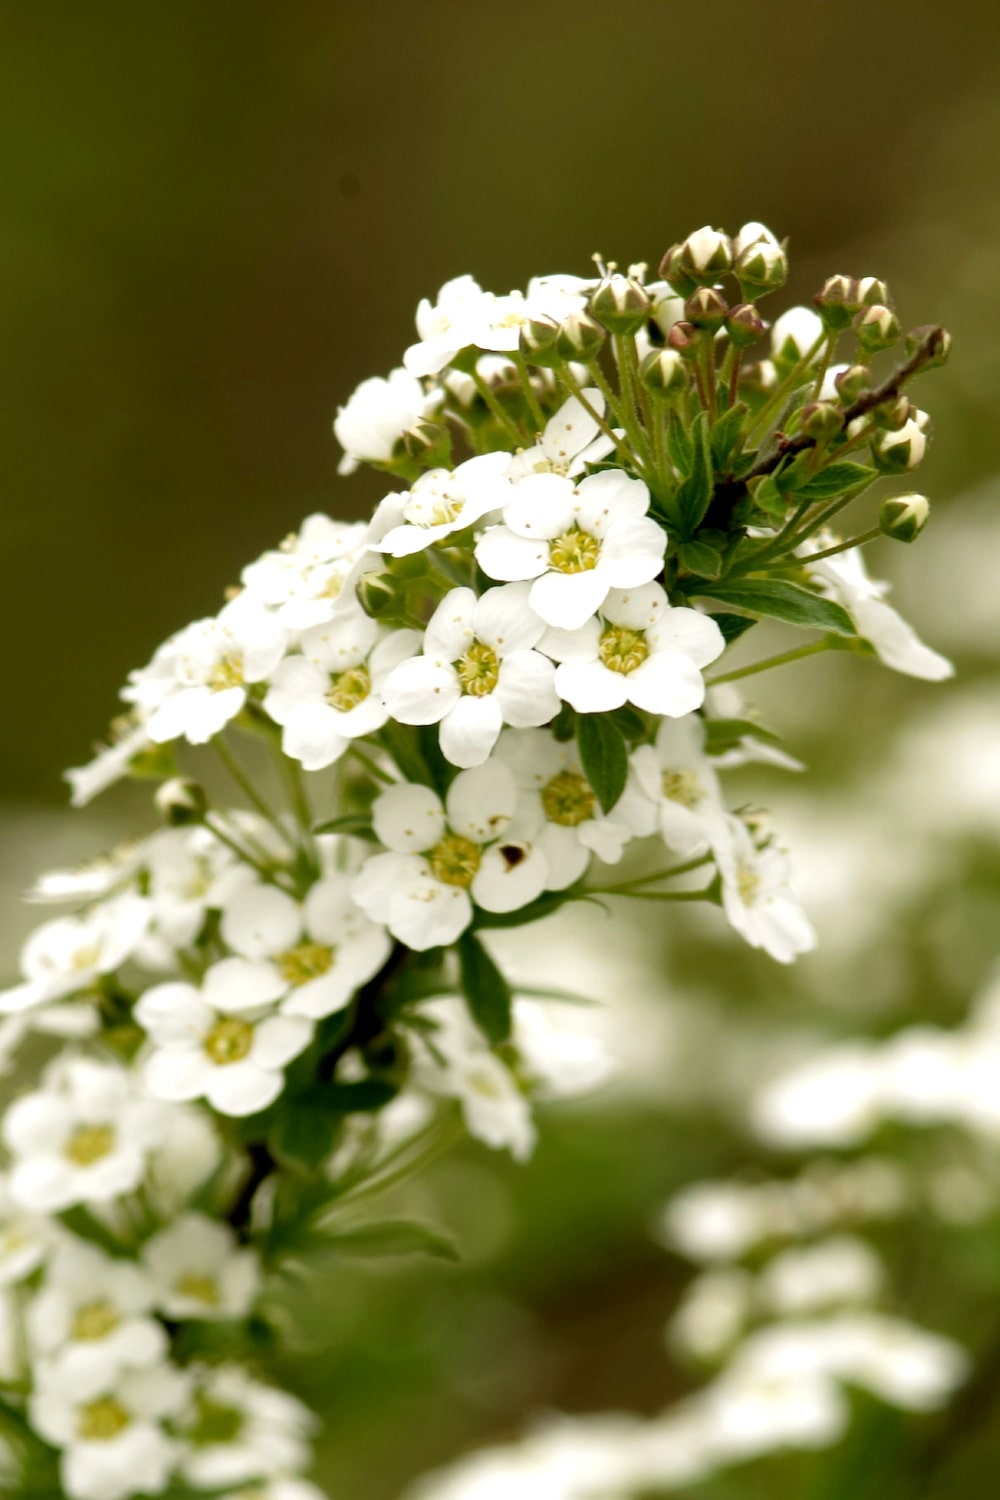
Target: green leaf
(486, 991)
(836, 480)
(679, 444)
(694, 495)
(306, 1131)
(360, 1097)
(393, 1237)
(630, 721)
(358, 824)
(604, 755)
(700, 558)
(543, 906)
(564, 724)
(768, 497)
(723, 734)
(783, 601)
(733, 626)
(726, 433)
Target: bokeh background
(214, 221)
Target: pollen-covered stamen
(227, 673)
(455, 860)
(95, 1320)
(684, 787)
(622, 649)
(348, 689)
(199, 1288)
(747, 883)
(229, 1040)
(478, 670)
(568, 799)
(575, 551)
(304, 962)
(90, 1143)
(100, 1421)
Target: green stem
(628, 379)
(854, 541)
(797, 654)
(701, 895)
(373, 770)
(611, 400)
(537, 415)
(575, 389)
(251, 793)
(824, 364)
(781, 390)
(625, 885)
(266, 872)
(502, 416)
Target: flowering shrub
(471, 707)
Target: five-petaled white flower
(465, 315)
(443, 501)
(236, 1429)
(199, 1271)
(311, 956)
(303, 579)
(572, 439)
(576, 542)
(640, 651)
(677, 776)
(331, 694)
(757, 896)
(896, 643)
(223, 1042)
(478, 672)
(376, 415)
(70, 954)
(442, 859)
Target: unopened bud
(706, 308)
(537, 340)
(745, 325)
(904, 517)
(893, 414)
(620, 304)
(937, 340)
(663, 374)
(872, 292)
(853, 382)
(181, 801)
(673, 272)
(580, 336)
(761, 267)
(821, 420)
(753, 233)
(795, 334)
(837, 301)
(428, 444)
(895, 452)
(685, 339)
(877, 327)
(706, 255)
(380, 595)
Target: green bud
(684, 339)
(580, 337)
(380, 595)
(896, 452)
(745, 325)
(821, 420)
(706, 308)
(939, 340)
(663, 374)
(760, 268)
(538, 341)
(853, 382)
(428, 444)
(877, 327)
(181, 801)
(621, 304)
(874, 292)
(837, 301)
(705, 255)
(414, 565)
(672, 271)
(904, 517)
(892, 415)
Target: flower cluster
(449, 719)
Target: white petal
(697, 635)
(313, 735)
(565, 856)
(572, 428)
(471, 729)
(640, 608)
(509, 876)
(504, 555)
(526, 689)
(569, 599)
(632, 552)
(421, 690)
(504, 619)
(481, 802)
(329, 910)
(235, 984)
(429, 914)
(296, 681)
(667, 683)
(240, 1088)
(542, 506)
(590, 687)
(381, 877)
(260, 921)
(572, 645)
(610, 497)
(450, 630)
(173, 1014)
(408, 818)
(179, 1074)
(278, 1039)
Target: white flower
(558, 809)
(757, 896)
(559, 1059)
(25, 1239)
(753, 233)
(713, 1312)
(754, 1412)
(678, 778)
(478, 671)
(198, 680)
(896, 643)
(199, 1270)
(70, 954)
(443, 501)
(575, 542)
(110, 763)
(572, 439)
(93, 1314)
(82, 1138)
(277, 1489)
(220, 1043)
(795, 333)
(189, 873)
(833, 1099)
(313, 956)
(445, 858)
(236, 1429)
(375, 417)
(457, 1062)
(112, 1438)
(841, 1269)
(331, 694)
(640, 650)
(716, 1221)
(303, 580)
(465, 315)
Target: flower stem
(502, 416)
(796, 654)
(537, 415)
(253, 796)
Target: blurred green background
(215, 219)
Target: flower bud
(837, 301)
(937, 339)
(663, 374)
(821, 420)
(621, 304)
(537, 340)
(673, 272)
(753, 233)
(706, 308)
(683, 338)
(181, 801)
(706, 255)
(761, 267)
(877, 327)
(904, 517)
(895, 452)
(853, 382)
(580, 337)
(893, 414)
(872, 292)
(380, 595)
(758, 379)
(794, 334)
(428, 444)
(745, 325)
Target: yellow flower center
(747, 883)
(575, 551)
(95, 1320)
(348, 689)
(307, 961)
(89, 1144)
(568, 800)
(199, 1288)
(215, 1423)
(455, 860)
(622, 649)
(86, 958)
(683, 787)
(478, 670)
(227, 672)
(100, 1421)
(229, 1040)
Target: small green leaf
(836, 480)
(733, 626)
(360, 1097)
(486, 991)
(694, 494)
(726, 433)
(305, 1132)
(393, 1237)
(630, 721)
(564, 724)
(679, 444)
(768, 498)
(604, 755)
(544, 906)
(783, 601)
(700, 558)
(723, 734)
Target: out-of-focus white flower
(70, 954)
(558, 1059)
(465, 315)
(838, 1270)
(376, 415)
(832, 1100)
(302, 581)
(236, 1430)
(713, 1312)
(456, 1061)
(444, 501)
(110, 763)
(678, 778)
(896, 643)
(757, 896)
(572, 439)
(26, 1239)
(199, 1271)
